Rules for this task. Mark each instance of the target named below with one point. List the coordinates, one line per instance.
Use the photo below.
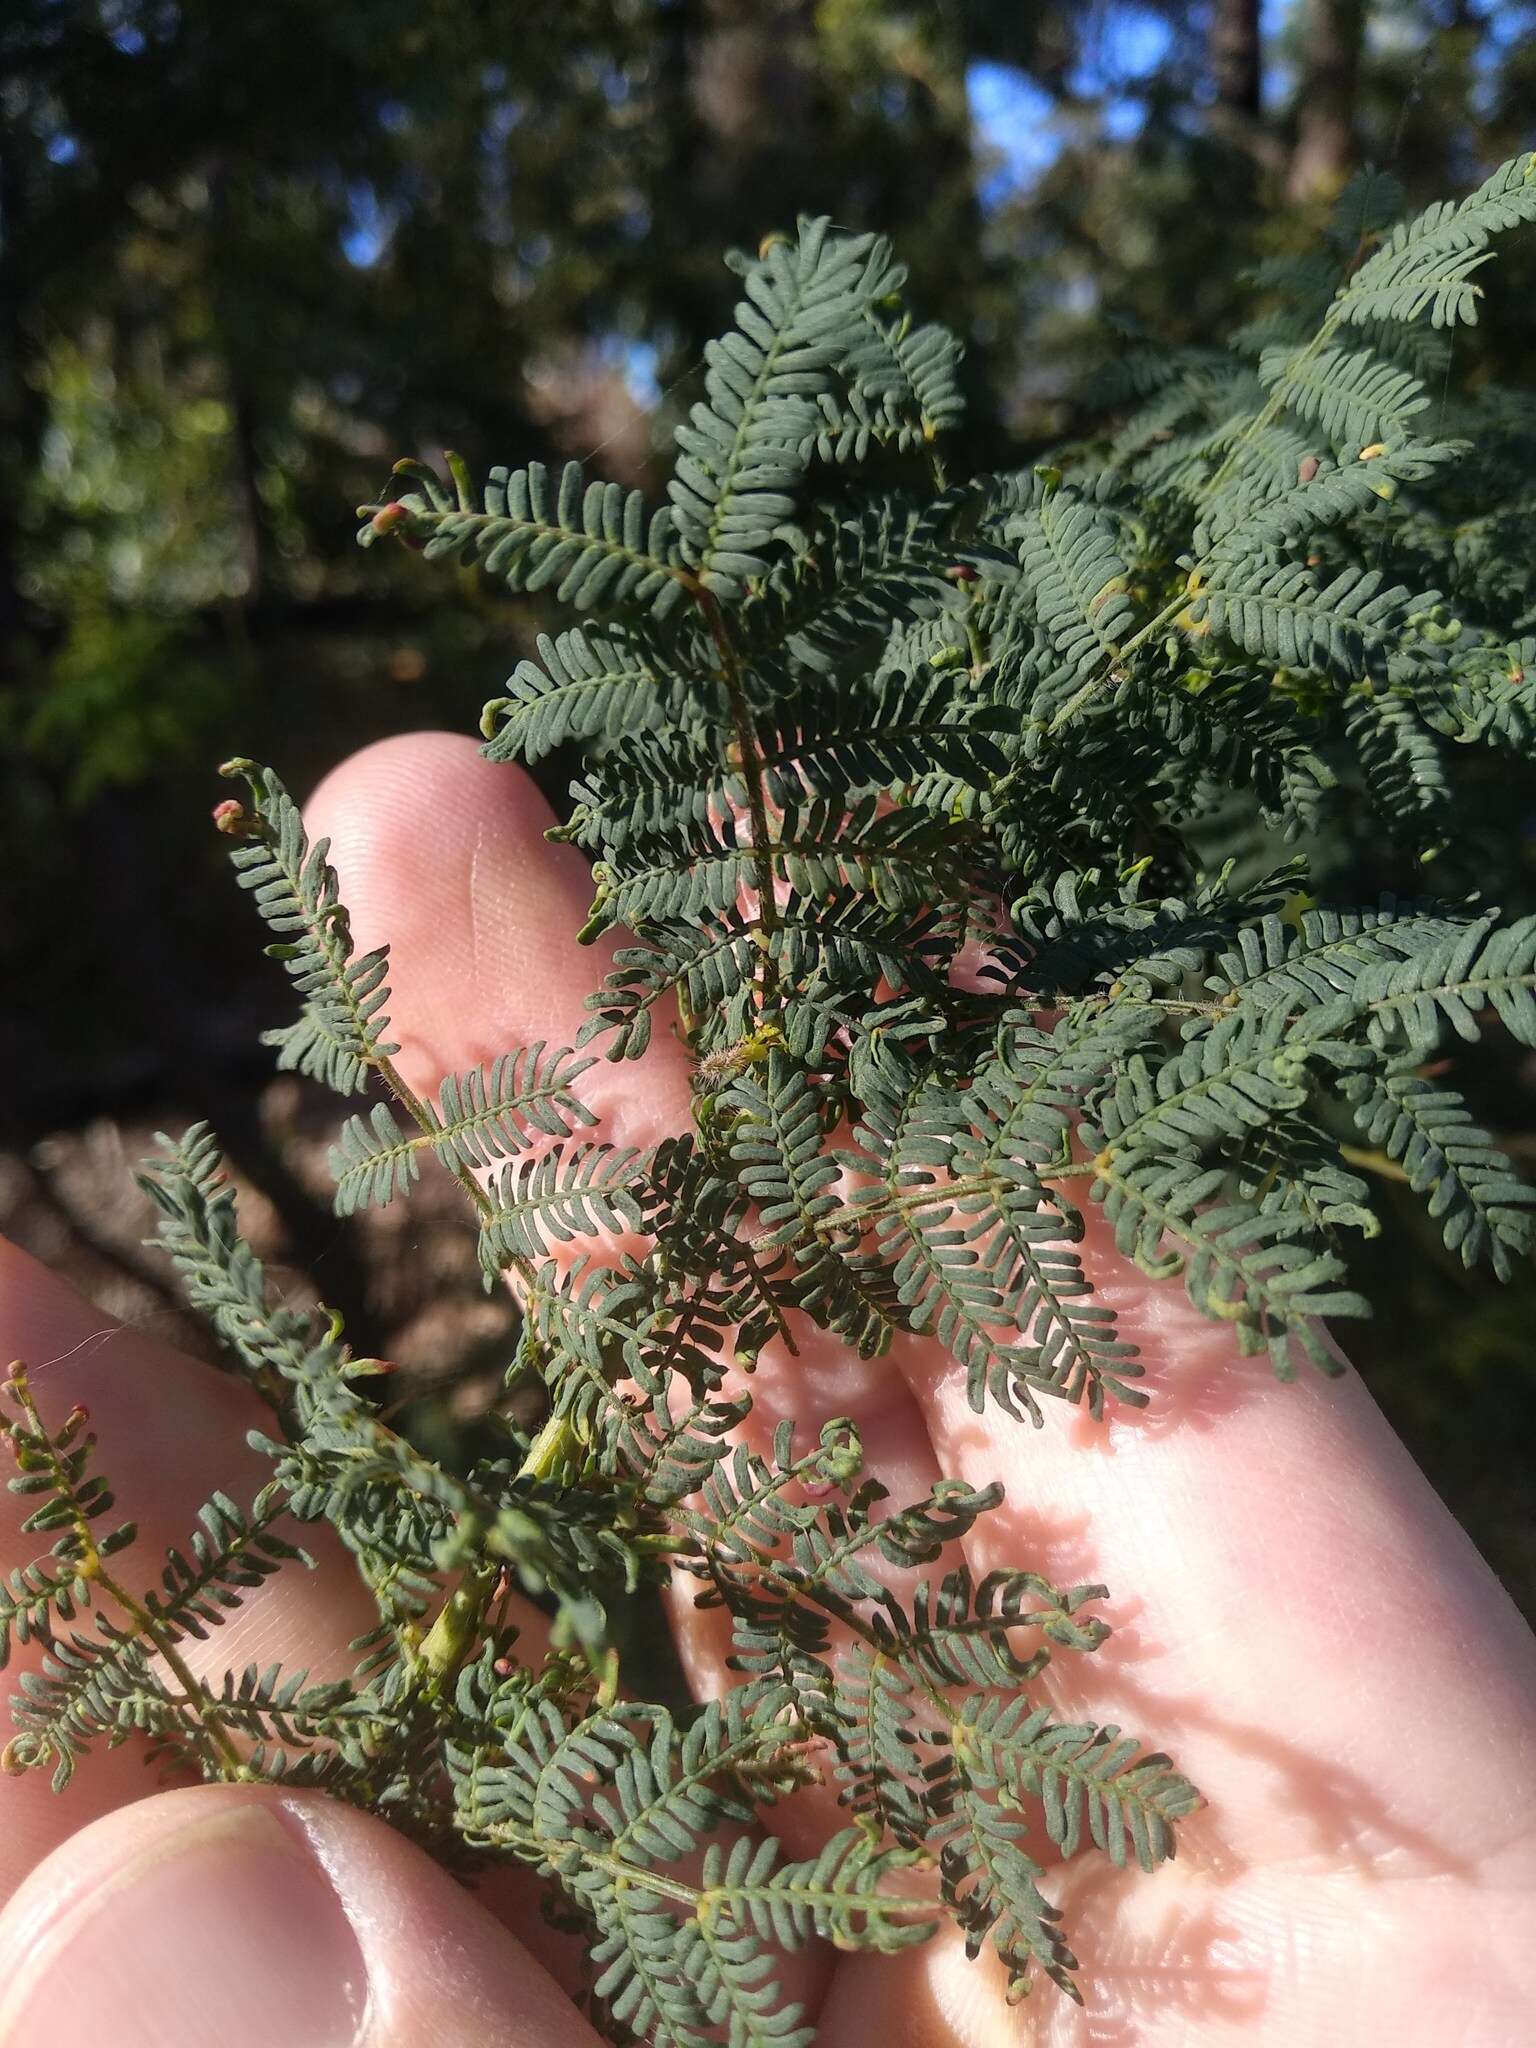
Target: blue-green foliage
(895, 789)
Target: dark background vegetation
(249, 254)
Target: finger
(254, 1918)
(1299, 1619)
(441, 856)
(1274, 1537)
(169, 1430)
(1267, 1958)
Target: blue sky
(1014, 116)
(1017, 123)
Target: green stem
(752, 776)
(145, 1624)
(555, 1442)
(422, 1116)
(1095, 683)
(1272, 409)
(459, 1624)
(88, 1565)
(454, 1633)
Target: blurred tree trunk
(753, 82)
(1236, 57)
(739, 92)
(1234, 47)
(1333, 33)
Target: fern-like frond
(869, 742)
(1475, 1193)
(1300, 965)
(1405, 773)
(55, 1469)
(1355, 397)
(1425, 265)
(745, 447)
(1229, 725)
(1478, 967)
(903, 859)
(1092, 1781)
(852, 576)
(991, 1885)
(1284, 614)
(1076, 575)
(777, 1145)
(223, 1278)
(1239, 1267)
(491, 1113)
(584, 686)
(961, 1631)
(908, 373)
(982, 1256)
(339, 1037)
(571, 1191)
(87, 1681)
(823, 954)
(594, 545)
(614, 1808)
(1371, 201)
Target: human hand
(1297, 1620)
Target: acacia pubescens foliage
(894, 782)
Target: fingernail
(224, 1930)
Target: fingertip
(250, 1915)
(385, 805)
(442, 857)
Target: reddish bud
(961, 572)
(232, 817)
(369, 1368)
(1307, 468)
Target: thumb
(260, 1918)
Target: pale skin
(1298, 1621)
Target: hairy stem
(89, 1564)
(1095, 683)
(752, 776)
(456, 1630)
(422, 1115)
